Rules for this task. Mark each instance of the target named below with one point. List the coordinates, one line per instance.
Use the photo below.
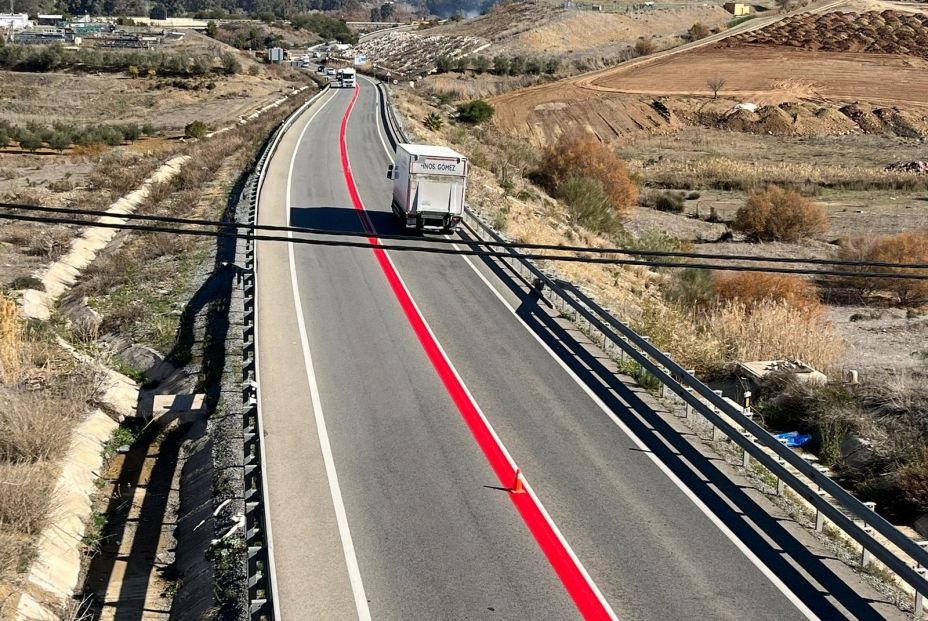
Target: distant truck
(428, 186)
(347, 78)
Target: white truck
(347, 78)
(428, 186)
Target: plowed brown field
(765, 75)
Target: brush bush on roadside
(672, 202)
(589, 205)
(775, 214)
(582, 155)
(907, 247)
(690, 288)
(754, 288)
(475, 112)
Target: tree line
(60, 135)
(499, 65)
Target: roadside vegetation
(61, 135)
(579, 190)
(44, 58)
(44, 393)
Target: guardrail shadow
(781, 553)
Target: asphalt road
(383, 503)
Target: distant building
(49, 20)
(14, 21)
(737, 9)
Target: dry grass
(730, 174)
(12, 343)
(35, 427)
(25, 496)
(755, 288)
(774, 330)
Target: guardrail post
(864, 552)
(717, 434)
(781, 484)
(919, 596)
(745, 456)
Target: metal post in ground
(864, 552)
(717, 434)
(819, 516)
(920, 597)
(745, 456)
(781, 484)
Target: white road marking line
(341, 516)
(766, 571)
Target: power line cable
(438, 250)
(500, 244)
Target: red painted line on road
(578, 584)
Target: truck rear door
(434, 194)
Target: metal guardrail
(262, 581)
(856, 519)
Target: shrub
(500, 65)
(588, 204)
(29, 141)
(230, 63)
(691, 288)
(582, 155)
(775, 214)
(25, 496)
(476, 111)
(645, 46)
(755, 288)
(33, 428)
(59, 141)
(907, 247)
(481, 64)
(668, 201)
(698, 31)
(433, 121)
(12, 341)
(517, 65)
(195, 129)
(444, 64)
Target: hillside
(523, 28)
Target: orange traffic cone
(517, 486)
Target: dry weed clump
(581, 155)
(13, 350)
(683, 335)
(34, 426)
(907, 247)
(730, 174)
(755, 288)
(773, 330)
(25, 496)
(775, 214)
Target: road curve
(383, 500)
